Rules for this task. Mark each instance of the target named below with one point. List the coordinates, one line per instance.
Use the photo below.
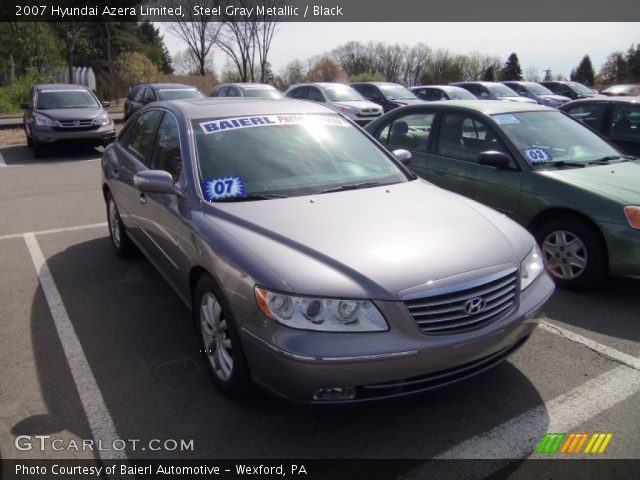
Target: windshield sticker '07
(505, 119)
(537, 155)
(216, 126)
(224, 187)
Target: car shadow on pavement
(23, 155)
(140, 343)
(611, 309)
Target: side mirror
(402, 155)
(105, 104)
(154, 181)
(494, 158)
(24, 106)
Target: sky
(559, 46)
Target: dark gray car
(145, 93)
(254, 90)
(58, 113)
(314, 263)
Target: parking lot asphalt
(95, 346)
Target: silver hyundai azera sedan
(314, 262)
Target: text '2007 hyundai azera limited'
(314, 262)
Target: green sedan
(576, 192)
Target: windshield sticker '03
(224, 187)
(505, 119)
(216, 126)
(537, 155)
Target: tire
(220, 340)
(122, 244)
(574, 252)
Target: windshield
(579, 88)
(537, 89)
(342, 93)
(286, 155)
(547, 137)
(502, 91)
(398, 92)
(53, 99)
(265, 92)
(461, 94)
(179, 93)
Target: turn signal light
(633, 216)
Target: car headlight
(531, 267)
(552, 102)
(324, 314)
(633, 216)
(102, 119)
(43, 121)
(344, 109)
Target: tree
(153, 46)
(71, 33)
(324, 70)
(198, 31)
(584, 72)
(511, 69)
(489, 74)
(532, 74)
(135, 67)
(294, 72)
(633, 63)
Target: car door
(133, 150)
(454, 162)
(624, 126)
(164, 213)
(410, 131)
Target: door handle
(142, 197)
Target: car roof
(476, 82)
(603, 99)
(58, 86)
(377, 84)
(211, 107)
(246, 84)
(486, 107)
(180, 86)
(442, 87)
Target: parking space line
(100, 421)
(55, 230)
(518, 437)
(607, 352)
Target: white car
(342, 98)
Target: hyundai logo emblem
(76, 122)
(474, 305)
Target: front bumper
(102, 135)
(293, 364)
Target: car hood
(561, 98)
(359, 105)
(618, 181)
(72, 113)
(370, 243)
(517, 99)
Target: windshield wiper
(608, 158)
(354, 186)
(251, 197)
(561, 163)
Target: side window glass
(315, 95)
(233, 92)
(138, 139)
(148, 95)
(464, 138)
(167, 152)
(625, 122)
(411, 132)
(590, 114)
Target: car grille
(75, 123)
(469, 308)
(369, 113)
(437, 379)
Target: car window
(136, 94)
(625, 121)
(263, 92)
(373, 94)
(149, 95)
(287, 155)
(54, 98)
(299, 93)
(545, 138)
(167, 149)
(233, 92)
(138, 139)
(222, 92)
(590, 113)
(409, 131)
(464, 138)
(179, 93)
(314, 95)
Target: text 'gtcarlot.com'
(47, 442)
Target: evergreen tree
(489, 74)
(584, 73)
(512, 69)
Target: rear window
(54, 99)
(263, 93)
(178, 93)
